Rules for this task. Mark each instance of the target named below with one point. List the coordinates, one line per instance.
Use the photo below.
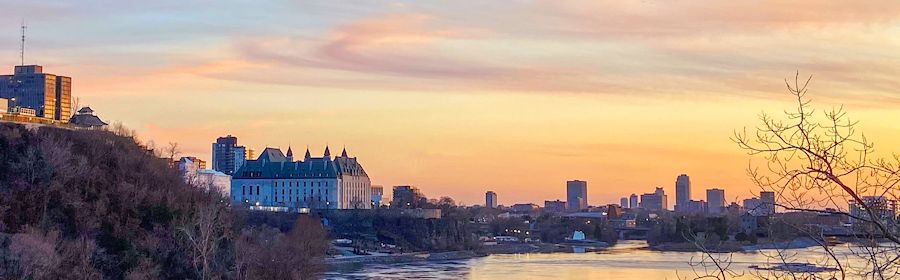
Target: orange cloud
(652, 19)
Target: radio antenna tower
(22, 50)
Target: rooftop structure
(86, 118)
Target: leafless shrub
(820, 161)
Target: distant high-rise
(682, 190)
(767, 203)
(377, 195)
(49, 95)
(715, 199)
(490, 199)
(655, 201)
(227, 156)
(251, 153)
(633, 201)
(665, 199)
(576, 194)
(240, 157)
(751, 205)
(623, 202)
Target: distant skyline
(459, 98)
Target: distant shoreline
(545, 248)
(502, 249)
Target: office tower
(682, 190)
(623, 202)
(490, 199)
(633, 201)
(715, 199)
(49, 95)
(576, 194)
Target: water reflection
(626, 260)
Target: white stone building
(276, 180)
(195, 174)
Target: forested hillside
(77, 204)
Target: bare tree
(204, 232)
(120, 129)
(171, 151)
(35, 253)
(820, 163)
(267, 253)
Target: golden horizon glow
(460, 98)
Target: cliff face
(91, 204)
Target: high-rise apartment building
(576, 194)
(715, 199)
(227, 156)
(633, 201)
(623, 202)
(490, 199)
(682, 190)
(48, 94)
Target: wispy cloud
(319, 69)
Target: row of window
(290, 191)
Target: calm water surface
(626, 260)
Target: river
(625, 260)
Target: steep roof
(309, 168)
(271, 155)
(86, 120)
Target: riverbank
(629, 259)
(495, 249)
(403, 258)
(732, 246)
(727, 247)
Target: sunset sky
(460, 97)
